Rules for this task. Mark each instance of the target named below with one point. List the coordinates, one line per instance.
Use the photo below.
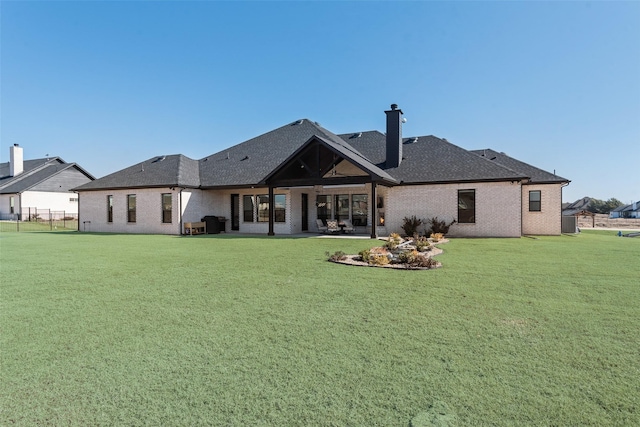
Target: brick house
(373, 179)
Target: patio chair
(321, 227)
(332, 226)
(347, 226)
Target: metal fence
(34, 219)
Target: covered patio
(342, 182)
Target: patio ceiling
(322, 162)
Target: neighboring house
(627, 211)
(29, 186)
(578, 208)
(282, 181)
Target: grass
(23, 226)
(218, 330)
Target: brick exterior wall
(218, 203)
(501, 209)
(93, 211)
(549, 220)
(497, 207)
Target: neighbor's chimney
(16, 165)
(394, 136)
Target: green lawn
(23, 226)
(219, 330)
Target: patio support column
(374, 219)
(271, 211)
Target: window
(247, 208)
(342, 206)
(535, 201)
(109, 208)
(466, 206)
(279, 209)
(166, 208)
(359, 209)
(131, 208)
(12, 205)
(263, 208)
(323, 204)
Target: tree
(603, 207)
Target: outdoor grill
(215, 224)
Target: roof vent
(411, 140)
(356, 135)
(299, 122)
(159, 159)
(244, 158)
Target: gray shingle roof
(628, 208)
(535, 174)
(35, 171)
(580, 205)
(250, 162)
(429, 159)
(426, 159)
(160, 171)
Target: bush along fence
(33, 219)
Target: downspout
(180, 213)
(78, 210)
(522, 209)
(561, 187)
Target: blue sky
(109, 84)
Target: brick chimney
(16, 163)
(394, 136)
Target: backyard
(106, 329)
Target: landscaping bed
(406, 254)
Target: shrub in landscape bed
(436, 237)
(421, 243)
(421, 261)
(379, 256)
(393, 241)
(414, 259)
(337, 256)
(407, 256)
(410, 225)
(378, 259)
(436, 225)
